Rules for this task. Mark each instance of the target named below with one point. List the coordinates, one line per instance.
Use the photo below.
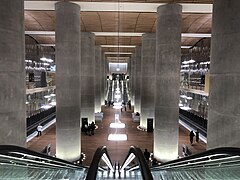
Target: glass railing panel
(215, 164)
(13, 171)
(199, 173)
(20, 163)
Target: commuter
(39, 130)
(92, 127)
(129, 104)
(86, 129)
(89, 130)
(146, 155)
(191, 135)
(197, 135)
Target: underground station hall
(120, 89)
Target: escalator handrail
(93, 169)
(215, 153)
(11, 150)
(144, 168)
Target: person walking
(197, 135)
(191, 135)
(39, 130)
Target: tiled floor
(117, 149)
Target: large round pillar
(138, 80)
(88, 76)
(68, 63)
(224, 89)
(98, 76)
(167, 72)
(133, 67)
(148, 76)
(103, 79)
(12, 73)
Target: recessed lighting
(117, 125)
(117, 137)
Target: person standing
(93, 126)
(197, 135)
(146, 155)
(191, 135)
(39, 130)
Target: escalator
(133, 167)
(20, 163)
(218, 164)
(215, 164)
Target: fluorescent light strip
(118, 53)
(128, 161)
(121, 46)
(47, 44)
(118, 34)
(123, 34)
(113, 46)
(117, 58)
(186, 47)
(47, 33)
(114, 6)
(196, 35)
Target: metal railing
(100, 154)
(19, 162)
(135, 152)
(217, 163)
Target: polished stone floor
(117, 149)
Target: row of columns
(160, 79)
(157, 80)
(159, 93)
(78, 77)
(79, 62)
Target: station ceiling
(119, 22)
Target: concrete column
(103, 79)
(148, 78)
(133, 77)
(107, 74)
(87, 76)
(12, 73)
(138, 80)
(130, 77)
(98, 76)
(68, 63)
(167, 76)
(224, 89)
